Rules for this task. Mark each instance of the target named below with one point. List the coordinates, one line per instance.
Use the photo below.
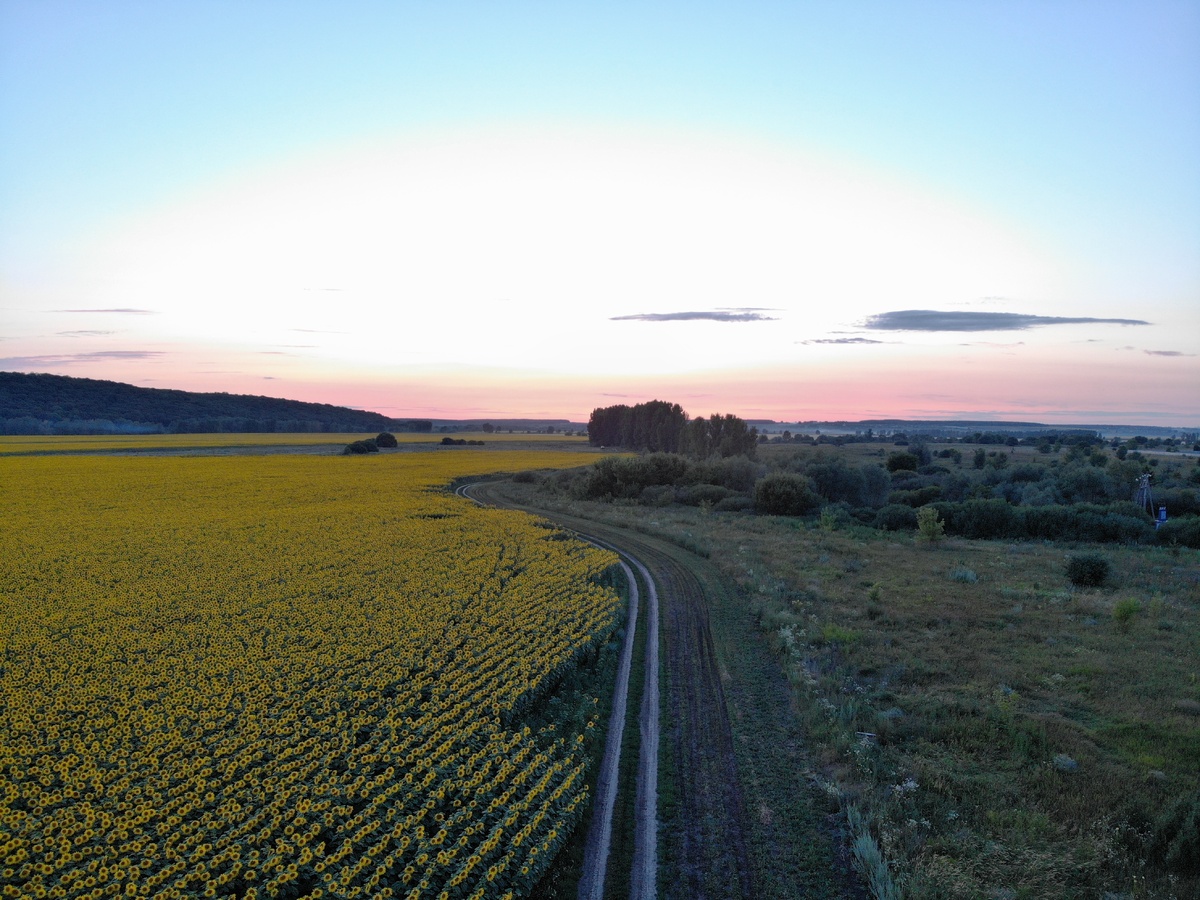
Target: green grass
(1046, 727)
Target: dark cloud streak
(735, 314)
(70, 359)
(941, 320)
(848, 340)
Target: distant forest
(664, 427)
(58, 404)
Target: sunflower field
(284, 676)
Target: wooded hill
(58, 404)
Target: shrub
(698, 494)
(918, 497)
(783, 494)
(1185, 531)
(963, 575)
(896, 517)
(836, 481)
(902, 461)
(366, 446)
(1088, 569)
(930, 528)
(526, 477)
(386, 439)
(1049, 522)
(1125, 611)
(735, 503)
(1179, 502)
(984, 519)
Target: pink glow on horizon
(1117, 386)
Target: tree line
(661, 427)
(58, 404)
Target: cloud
(1167, 353)
(91, 333)
(992, 344)
(733, 314)
(121, 311)
(940, 320)
(71, 359)
(846, 340)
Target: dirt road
(702, 851)
(595, 855)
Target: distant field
(107, 443)
(286, 675)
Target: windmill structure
(1145, 499)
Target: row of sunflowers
(284, 676)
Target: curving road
(706, 841)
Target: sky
(783, 210)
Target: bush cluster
(1081, 497)
(660, 478)
(1088, 570)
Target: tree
(906, 462)
(662, 427)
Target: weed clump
(1088, 570)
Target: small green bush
(930, 528)
(367, 446)
(1125, 611)
(386, 439)
(1088, 570)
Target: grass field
(991, 728)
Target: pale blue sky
(1070, 128)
